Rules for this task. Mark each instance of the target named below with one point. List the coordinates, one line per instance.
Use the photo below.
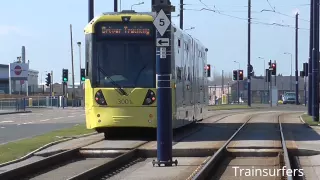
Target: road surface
(18, 126)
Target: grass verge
(17, 149)
(227, 107)
(308, 119)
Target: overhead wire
(240, 18)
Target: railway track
(83, 164)
(258, 163)
(112, 173)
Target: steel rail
(285, 150)
(205, 170)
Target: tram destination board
(124, 30)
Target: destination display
(125, 30)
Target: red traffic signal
(274, 69)
(240, 75)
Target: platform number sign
(161, 22)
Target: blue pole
(315, 62)
(249, 53)
(163, 70)
(296, 73)
(310, 103)
(305, 92)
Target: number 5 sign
(161, 22)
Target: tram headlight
(100, 98)
(150, 98)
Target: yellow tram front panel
(122, 110)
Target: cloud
(7, 29)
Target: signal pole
(249, 52)
(315, 61)
(73, 90)
(115, 4)
(90, 10)
(162, 22)
(181, 14)
(296, 73)
(310, 104)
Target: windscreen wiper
(136, 79)
(117, 86)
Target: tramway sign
(162, 41)
(163, 53)
(161, 22)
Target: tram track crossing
(218, 165)
(112, 159)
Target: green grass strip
(20, 148)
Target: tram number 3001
(124, 101)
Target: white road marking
(24, 114)
(2, 127)
(6, 121)
(28, 123)
(70, 116)
(44, 120)
(58, 118)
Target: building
(259, 88)
(18, 86)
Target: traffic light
(48, 79)
(208, 68)
(240, 75)
(235, 75)
(274, 69)
(65, 75)
(83, 75)
(251, 73)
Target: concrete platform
(143, 169)
(261, 132)
(113, 145)
(300, 136)
(306, 141)
(72, 169)
(311, 166)
(210, 136)
(21, 163)
(248, 168)
(67, 145)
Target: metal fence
(12, 105)
(52, 101)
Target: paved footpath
(307, 141)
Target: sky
(43, 27)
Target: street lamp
(238, 88)
(136, 4)
(79, 44)
(238, 63)
(287, 53)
